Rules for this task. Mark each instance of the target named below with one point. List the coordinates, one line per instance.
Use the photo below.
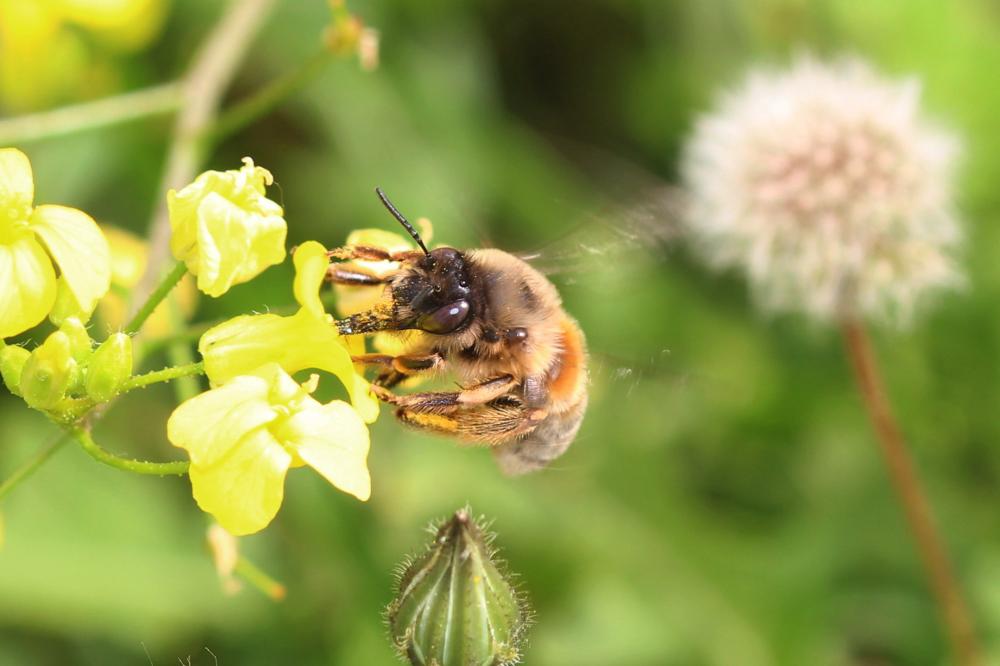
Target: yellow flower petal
(79, 249)
(233, 249)
(210, 425)
(27, 285)
(17, 189)
(244, 490)
(333, 440)
(225, 229)
(241, 345)
(311, 263)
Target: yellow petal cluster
(34, 242)
(225, 229)
(307, 339)
(244, 435)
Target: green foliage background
(724, 503)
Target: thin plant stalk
(32, 464)
(911, 495)
(246, 111)
(158, 100)
(94, 450)
(164, 375)
(211, 71)
(162, 290)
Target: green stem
(164, 375)
(91, 115)
(252, 574)
(267, 98)
(168, 282)
(181, 354)
(29, 467)
(127, 464)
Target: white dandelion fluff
(827, 187)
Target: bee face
(437, 292)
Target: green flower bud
(48, 372)
(453, 606)
(109, 367)
(80, 343)
(12, 360)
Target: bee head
(436, 289)
(438, 292)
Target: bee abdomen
(542, 445)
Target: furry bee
(497, 324)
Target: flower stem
(267, 98)
(164, 375)
(91, 115)
(168, 282)
(212, 69)
(909, 490)
(33, 463)
(254, 575)
(127, 464)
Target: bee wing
(649, 223)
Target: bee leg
(490, 424)
(450, 401)
(371, 253)
(352, 276)
(407, 364)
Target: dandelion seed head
(828, 188)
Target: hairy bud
(109, 367)
(49, 372)
(454, 606)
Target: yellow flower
(31, 239)
(243, 437)
(307, 339)
(128, 263)
(225, 229)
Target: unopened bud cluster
(66, 369)
(454, 606)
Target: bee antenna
(402, 220)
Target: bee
(492, 320)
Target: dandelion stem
(91, 115)
(127, 464)
(267, 98)
(256, 576)
(164, 375)
(166, 285)
(30, 465)
(909, 490)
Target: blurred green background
(724, 503)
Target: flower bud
(80, 343)
(12, 360)
(109, 367)
(453, 606)
(48, 372)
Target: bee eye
(445, 319)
